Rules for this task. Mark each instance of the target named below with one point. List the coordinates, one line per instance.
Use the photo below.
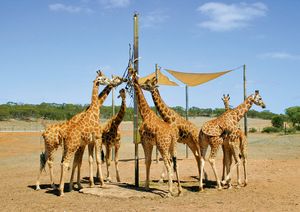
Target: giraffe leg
(79, 167)
(237, 163)
(214, 149)
(175, 164)
(196, 152)
(50, 164)
(77, 161)
(64, 168)
(91, 160)
(168, 167)
(244, 156)
(108, 162)
(148, 154)
(162, 176)
(98, 144)
(203, 149)
(43, 160)
(117, 163)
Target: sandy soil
(274, 179)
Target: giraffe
(87, 131)
(116, 81)
(154, 131)
(224, 129)
(227, 154)
(52, 139)
(186, 131)
(111, 136)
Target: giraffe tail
(42, 161)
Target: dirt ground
(273, 173)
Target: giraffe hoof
(220, 189)
(38, 188)
(201, 189)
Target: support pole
(187, 116)
(135, 121)
(245, 97)
(113, 113)
(157, 77)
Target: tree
(277, 121)
(293, 114)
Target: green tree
(293, 114)
(277, 121)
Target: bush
(253, 130)
(291, 130)
(277, 121)
(271, 130)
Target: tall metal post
(135, 121)
(113, 113)
(157, 77)
(187, 116)
(245, 96)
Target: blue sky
(51, 49)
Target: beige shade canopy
(162, 79)
(193, 79)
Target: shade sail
(162, 79)
(193, 79)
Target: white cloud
(280, 55)
(225, 17)
(114, 3)
(70, 9)
(153, 19)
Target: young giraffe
(186, 131)
(87, 131)
(227, 153)
(116, 81)
(155, 131)
(111, 136)
(224, 129)
(52, 139)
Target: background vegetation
(64, 111)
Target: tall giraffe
(227, 153)
(224, 129)
(116, 81)
(155, 131)
(111, 136)
(186, 131)
(87, 131)
(53, 139)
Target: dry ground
(274, 179)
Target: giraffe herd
(84, 129)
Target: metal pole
(187, 116)
(157, 77)
(113, 113)
(245, 97)
(135, 122)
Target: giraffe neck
(240, 111)
(121, 113)
(163, 109)
(94, 107)
(226, 103)
(141, 101)
(102, 96)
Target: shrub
(291, 130)
(253, 130)
(271, 130)
(277, 121)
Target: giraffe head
(117, 80)
(101, 79)
(132, 73)
(150, 84)
(122, 93)
(225, 98)
(258, 100)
